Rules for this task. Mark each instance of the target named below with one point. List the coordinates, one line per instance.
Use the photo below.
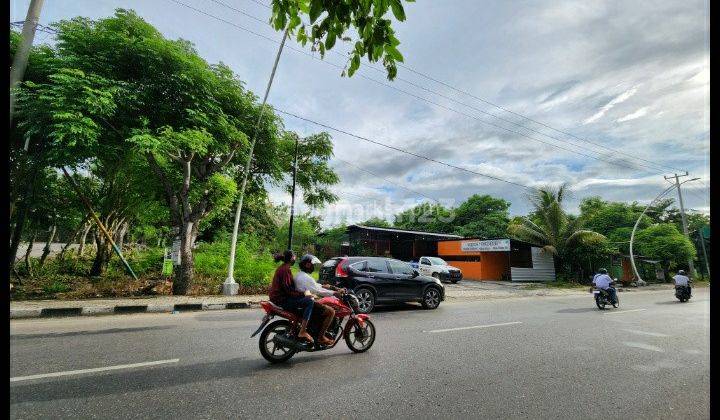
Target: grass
(68, 278)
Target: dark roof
(412, 232)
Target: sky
(607, 96)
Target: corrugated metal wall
(543, 267)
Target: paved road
(38, 248)
(541, 357)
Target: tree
(376, 222)
(121, 92)
(554, 231)
(426, 217)
(482, 216)
(332, 20)
(664, 242)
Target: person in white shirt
(681, 279)
(602, 281)
(306, 284)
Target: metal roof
(445, 235)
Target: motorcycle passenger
(602, 281)
(305, 283)
(284, 293)
(681, 279)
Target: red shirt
(282, 286)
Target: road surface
(539, 357)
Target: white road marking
(101, 369)
(623, 312)
(475, 326)
(652, 334)
(644, 347)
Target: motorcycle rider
(602, 281)
(306, 284)
(681, 279)
(284, 293)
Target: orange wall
(492, 265)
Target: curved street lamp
(632, 235)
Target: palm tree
(553, 229)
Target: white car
(438, 268)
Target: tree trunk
(83, 238)
(121, 235)
(17, 233)
(71, 240)
(46, 250)
(27, 253)
(184, 275)
(102, 256)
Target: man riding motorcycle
(681, 280)
(602, 281)
(284, 293)
(306, 284)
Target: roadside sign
(487, 245)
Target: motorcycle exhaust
(285, 341)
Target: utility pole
(691, 268)
(702, 244)
(17, 71)
(230, 287)
(292, 200)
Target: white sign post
(491, 245)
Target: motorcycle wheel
(360, 339)
(269, 349)
(600, 305)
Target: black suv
(382, 280)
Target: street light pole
(230, 287)
(691, 267)
(17, 71)
(637, 222)
(292, 200)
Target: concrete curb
(71, 311)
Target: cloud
(607, 107)
(637, 114)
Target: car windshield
(437, 261)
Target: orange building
(497, 259)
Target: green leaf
(330, 40)
(397, 10)
(316, 8)
(354, 65)
(394, 53)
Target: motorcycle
(602, 298)
(682, 293)
(279, 342)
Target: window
(359, 266)
(400, 267)
(376, 265)
(330, 263)
(424, 261)
(437, 261)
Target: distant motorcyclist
(680, 279)
(604, 282)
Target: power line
(401, 150)
(655, 168)
(408, 93)
(388, 180)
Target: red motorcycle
(279, 342)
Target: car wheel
(431, 298)
(366, 300)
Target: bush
(254, 266)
